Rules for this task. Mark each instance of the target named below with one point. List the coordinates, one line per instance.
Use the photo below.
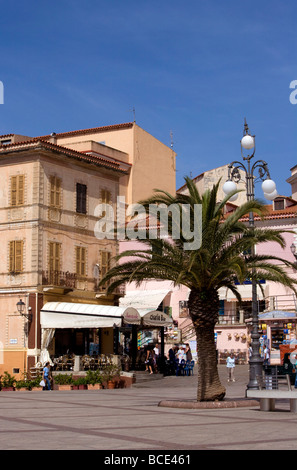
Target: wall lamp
(21, 306)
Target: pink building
(276, 304)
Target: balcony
(65, 281)
(59, 279)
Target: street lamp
(21, 306)
(269, 188)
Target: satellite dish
(293, 358)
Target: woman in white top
(230, 367)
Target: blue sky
(196, 68)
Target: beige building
(205, 181)
(50, 188)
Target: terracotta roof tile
(91, 130)
(37, 143)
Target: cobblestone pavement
(130, 419)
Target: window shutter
(58, 192)
(54, 256)
(17, 190)
(11, 256)
(16, 256)
(104, 262)
(13, 190)
(55, 191)
(80, 256)
(20, 190)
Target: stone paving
(131, 420)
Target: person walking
(266, 355)
(230, 367)
(46, 376)
(150, 360)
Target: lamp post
(269, 188)
(21, 306)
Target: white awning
(144, 299)
(75, 315)
(244, 290)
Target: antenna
(171, 139)
(134, 113)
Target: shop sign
(157, 319)
(131, 316)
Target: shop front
(76, 330)
(278, 332)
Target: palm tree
(223, 257)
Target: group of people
(180, 353)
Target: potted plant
(79, 384)
(94, 380)
(22, 385)
(110, 372)
(8, 382)
(63, 381)
(34, 384)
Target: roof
(271, 214)
(38, 143)
(92, 130)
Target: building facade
(51, 187)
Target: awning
(244, 290)
(144, 299)
(75, 315)
(277, 314)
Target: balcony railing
(73, 281)
(59, 278)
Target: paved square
(130, 419)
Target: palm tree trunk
(204, 309)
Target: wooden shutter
(104, 262)
(20, 189)
(55, 191)
(106, 199)
(17, 190)
(54, 256)
(80, 255)
(16, 256)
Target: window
(55, 191)
(81, 198)
(80, 257)
(17, 190)
(279, 204)
(54, 258)
(105, 196)
(106, 199)
(104, 257)
(16, 256)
